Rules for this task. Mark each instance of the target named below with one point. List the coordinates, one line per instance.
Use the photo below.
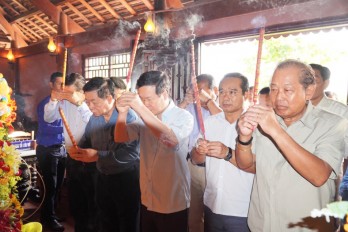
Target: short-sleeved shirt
(164, 173)
(336, 108)
(228, 187)
(280, 195)
(113, 158)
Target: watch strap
(229, 154)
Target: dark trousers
(81, 183)
(222, 223)
(118, 200)
(52, 165)
(160, 222)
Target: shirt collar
(166, 112)
(306, 118)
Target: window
(325, 47)
(114, 65)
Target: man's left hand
(87, 155)
(217, 149)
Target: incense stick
(64, 67)
(134, 51)
(65, 122)
(258, 64)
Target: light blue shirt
(196, 130)
(113, 158)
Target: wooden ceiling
(30, 21)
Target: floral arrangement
(10, 208)
(337, 209)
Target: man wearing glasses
(227, 194)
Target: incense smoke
(259, 21)
(74, 59)
(124, 27)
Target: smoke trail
(259, 21)
(74, 59)
(194, 20)
(124, 27)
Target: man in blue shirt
(51, 154)
(117, 191)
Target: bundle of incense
(196, 92)
(258, 64)
(65, 122)
(134, 51)
(64, 67)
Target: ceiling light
(51, 45)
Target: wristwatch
(229, 155)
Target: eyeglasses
(230, 93)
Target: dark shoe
(59, 219)
(54, 225)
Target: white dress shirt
(228, 188)
(77, 117)
(164, 173)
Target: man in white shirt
(227, 194)
(163, 132)
(80, 176)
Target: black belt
(53, 146)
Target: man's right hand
(247, 124)
(121, 105)
(202, 146)
(55, 95)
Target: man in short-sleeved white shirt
(163, 132)
(227, 194)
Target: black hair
(155, 78)
(324, 71)
(208, 78)
(103, 86)
(265, 90)
(75, 79)
(55, 75)
(119, 83)
(306, 77)
(245, 83)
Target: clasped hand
(87, 155)
(211, 148)
(128, 100)
(72, 97)
(255, 116)
(203, 96)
